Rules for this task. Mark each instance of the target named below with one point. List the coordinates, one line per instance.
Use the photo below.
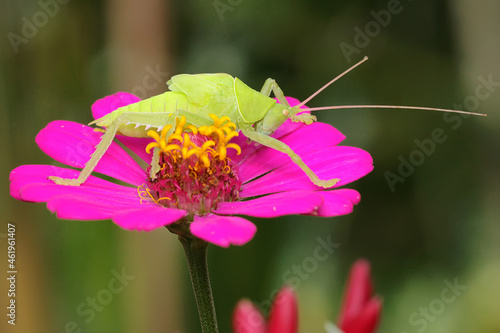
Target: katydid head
(273, 119)
(279, 113)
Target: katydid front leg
(271, 85)
(276, 144)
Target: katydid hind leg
(154, 119)
(284, 148)
(157, 120)
(101, 148)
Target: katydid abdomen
(165, 106)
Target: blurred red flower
(360, 310)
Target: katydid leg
(271, 85)
(278, 145)
(101, 148)
(125, 124)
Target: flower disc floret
(193, 171)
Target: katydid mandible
(196, 96)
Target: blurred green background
(438, 226)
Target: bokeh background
(440, 224)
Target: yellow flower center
(191, 169)
(222, 131)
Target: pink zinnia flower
(360, 312)
(183, 195)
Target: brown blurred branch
(139, 62)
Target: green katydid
(197, 96)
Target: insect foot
(64, 181)
(326, 183)
(304, 118)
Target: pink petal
(358, 292)
(338, 202)
(284, 313)
(73, 144)
(138, 146)
(267, 159)
(85, 207)
(110, 103)
(96, 199)
(42, 192)
(223, 230)
(32, 180)
(147, 218)
(279, 204)
(247, 318)
(346, 163)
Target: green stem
(196, 255)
